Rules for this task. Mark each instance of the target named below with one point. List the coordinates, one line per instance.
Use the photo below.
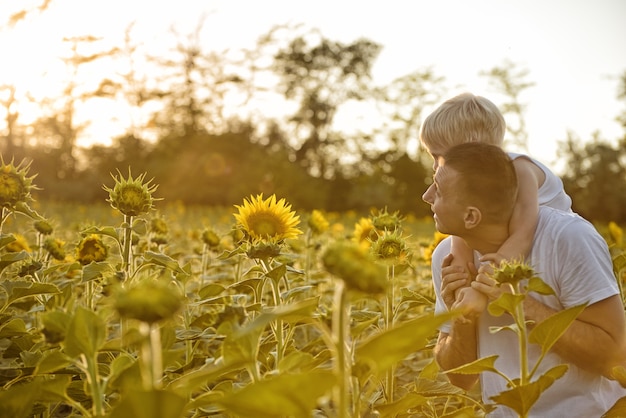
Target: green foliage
(245, 335)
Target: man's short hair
(463, 118)
(486, 178)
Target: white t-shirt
(551, 192)
(573, 259)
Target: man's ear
(472, 217)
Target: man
(472, 196)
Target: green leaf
(362, 320)
(51, 362)
(85, 335)
(485, 364)
(95, 270)
(506, 303)
(10, 258)
(283, 395)
(210, 290)
(191, 381)
(618, 410)
(162, 260)
(537, 285)
(17, 401)
(548, 331)
(297, 361)
(430, 370)
(6, 239)
(278, 272)
(140, 226)
(401, 406)
(409, 295)
(108, 231)
(521, 398)
(22, 289)
(24, 209)
(382, 351)
(13, 328)
(619, 374)
(150, 404)
(241, 344)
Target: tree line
(214, 127)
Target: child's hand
(493, 258)
(471, 303)
(485, 284)
(452, 279)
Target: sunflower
(353, 264)
(430, 248)
(15, 187)
(318, 222)
(364, 232)
(267, 220)
(91, 248)
(391, 248)
(385, 221)
(132, 197)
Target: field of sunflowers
(142, 308)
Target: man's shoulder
(560, 221)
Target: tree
(595, 179)
(320, 75)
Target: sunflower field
(142, 308)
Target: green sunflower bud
(15, 187)
(512, 272)
(354, 265)
(132, 197)
(149, 301)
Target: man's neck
(488, 239)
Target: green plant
(524, 390)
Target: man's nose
(426, 197)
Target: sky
(574, 50)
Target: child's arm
(461, 252)
(526, 212)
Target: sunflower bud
(91, 249)
(354, 265)
(391, 248)
(132, 197)
(55, 248)
(43, 227)
(210, 238)
(512, 272)
(15, 187)
(385, 221)
(149, 301)
(318, 222)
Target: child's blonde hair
(463, 118)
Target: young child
(470, 118)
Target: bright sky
(573, 49)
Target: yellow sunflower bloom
(364, 232)
(267, 220)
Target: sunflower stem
(343, 366)
(128, 229)
(389, 322)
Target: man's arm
(456, 349)
(596, 340)
(459, 345)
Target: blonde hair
(463, 118)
